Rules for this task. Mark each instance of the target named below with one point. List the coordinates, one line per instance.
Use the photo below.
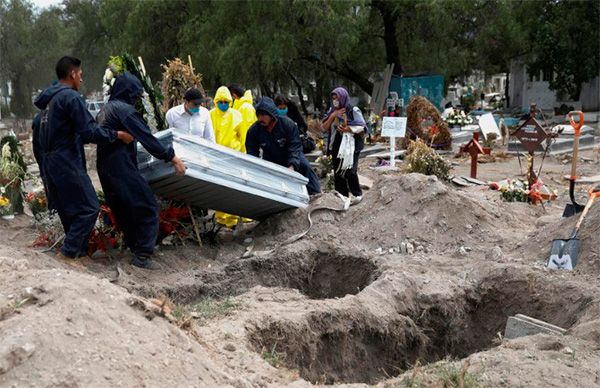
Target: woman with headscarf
(346, 126)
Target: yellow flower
(4, 201)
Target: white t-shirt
(198, 124)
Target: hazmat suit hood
(223, 94)
(267, 105)
(127, 88)
(43, 99)
(247, 97)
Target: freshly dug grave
(317, 273)
(352, 343)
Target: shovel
(573, 208)
(564, 252)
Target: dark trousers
(346, 181)
(71, 193)
(314, 186)
(132, 202)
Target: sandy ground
(347, 304)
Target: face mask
(194, 111)
(282, 112)
(336, 104)
(223, 106)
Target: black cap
(193, 95)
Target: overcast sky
(45, 3)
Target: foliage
(303, 47)
(272, 356)
(553, 28)
(443, 374)
(422, 159)
(209, 308)
(13, 171)
(178, 77)
(149, 108)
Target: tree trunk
(390, 18)
(300, 94)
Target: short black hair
(65, 65)
(237, 89)
(280, 100)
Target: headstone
(488, 126)
(521, 325)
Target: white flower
(108, 75)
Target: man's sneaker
(356, 200)
(145, 263)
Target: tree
(563, 37)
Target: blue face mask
(282, 112)
(194, 111)
(223, 106)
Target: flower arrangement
(458, 117)
(5, 205)
(152, 97)
(37, 202)
(12, 173)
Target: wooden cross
(473, 148)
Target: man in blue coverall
(279, 140)
(65, 126)
(128, 194)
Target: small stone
(248, 240)
(229, 347)
(410, 249)
(468, 227)
(495, 254)
(568, 350)
(391, 250)
(402, 248)
(462, 251)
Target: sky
(45, 3)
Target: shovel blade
(571, 209)
(564, 254)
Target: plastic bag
(346, 152)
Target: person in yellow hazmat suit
(227, 124)
(242, 102)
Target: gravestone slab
(521, 325)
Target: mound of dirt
(64, 328)
(537, 247)
(411, 207)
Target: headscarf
(344, 99)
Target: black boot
(145, 263)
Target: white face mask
(336, 104)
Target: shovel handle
(576, 125)
(588, 205)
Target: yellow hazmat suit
(226, 124)
(245, 107)
(227, 127)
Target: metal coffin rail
(223, 179)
